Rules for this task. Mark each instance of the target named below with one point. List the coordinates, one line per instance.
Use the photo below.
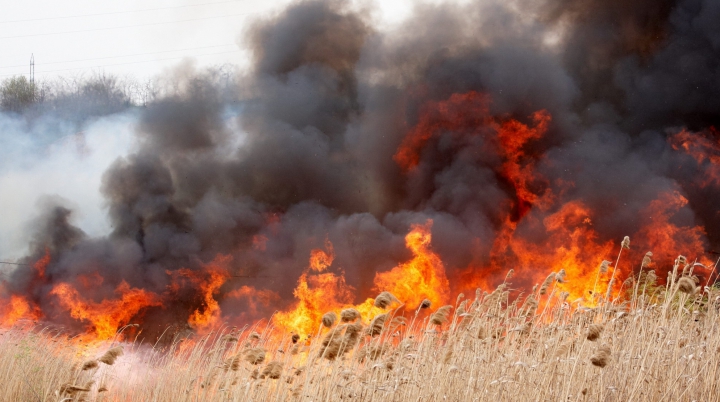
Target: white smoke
(50, 158)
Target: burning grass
(657, 343)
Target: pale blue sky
(134, 37)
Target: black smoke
(330, 98)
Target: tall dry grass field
(655, 343)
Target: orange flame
(41, 265)
(317, 293)
(460, 113)
(666, 239)
(423, 277)
(256, 300)
(704, 149)
(208, 281)
(104, 318)
(18, 308)
(513, 136)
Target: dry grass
(665, 348)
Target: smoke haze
(474, 116)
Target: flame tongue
(317, 292)
(106, 317)
(16, 309)
(423, 277)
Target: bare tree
(17, 94)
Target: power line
(124, 26)
(121, 12)
(130, 62)
(125, 55)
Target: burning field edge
(644, 342)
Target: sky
(137, 38)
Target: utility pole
(32, 70)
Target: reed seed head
(72, 389)
(594, 332)
(625, 243)
(111, 355)
(328, 319)
(385, 299)
(604, 266)
(272, 370)
(544, 287)
(376, 325)
(686, 285)
(440, 316)
(650, 278)
(509, 274)
(523, 328)
(255, 355)
(647, 260)
(601, 356)
(232, 363)
(349, 315)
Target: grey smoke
(299, 150)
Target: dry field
(655, 343)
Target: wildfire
(538, 230)
(317, 293)
(513, 136)
(705, 149)
(40, 265)
(665, 238)
(461, 113)
(569, 240)
(208, 282)
(16, 309)
(423, 277)
(104, 318)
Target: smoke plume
(565, 124)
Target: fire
(570, 244)
(569, 240)
(256, 301)
(665, 238)
(317, 293)
(208, 282)
(461, 113)
(41, 265)
(104, 318)
(17, 308)
(320, 260)
(423, 277)
(705, 149)
(538, 230)
(513, 136)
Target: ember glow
(427, 162)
